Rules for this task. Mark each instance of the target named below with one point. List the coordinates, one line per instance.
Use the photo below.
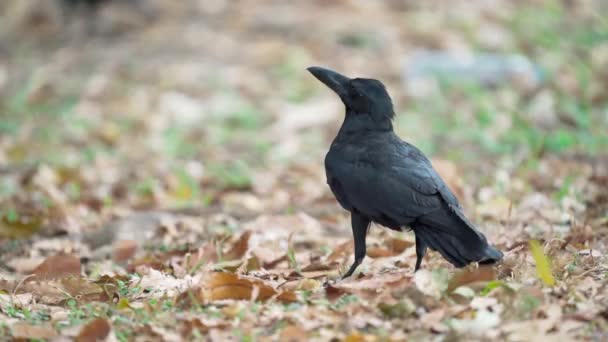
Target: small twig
(19, 284)
(595, 268)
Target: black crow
(380, 178)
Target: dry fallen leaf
(399, 245)
(239, 248)
(58, 266)
(467, 276)
(379, 252)
(96, 330)
(173, 153)
(223, 285)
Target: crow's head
(360, 95)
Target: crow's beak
(332, 79)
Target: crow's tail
(455, 238)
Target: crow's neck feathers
(365, 122)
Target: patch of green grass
(359, 40)
(188, 190)
(232, 175)
(176, 143)
(293, 262)
(465, 114)
(344, 301)
(246, 117)
(295, 86)
(145, 187)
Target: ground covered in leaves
(161, 170)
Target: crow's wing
(400, 185)
(397, 186)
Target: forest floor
(161, 170)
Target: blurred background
(114, 106)
(205, 108)
(153, 94)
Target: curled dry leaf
(469, 276)
(239, 248)
(222, 285)
(389, 248)
(58, 266)
(379, 252)
(399, 245)
(83, 289)
(96, 330)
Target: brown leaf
(398, 245)
(239, 248)
(223, 285)
(317, 266)
(83, 289)
(273, 263)
(123, 250)
(96, 330)
(333, 293)
(468, 276)
(58, 266)
(24, 330)
(379, 252)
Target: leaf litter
(176, 199)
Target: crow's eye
(355, 93)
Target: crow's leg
(360, 226)
(420, 252)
